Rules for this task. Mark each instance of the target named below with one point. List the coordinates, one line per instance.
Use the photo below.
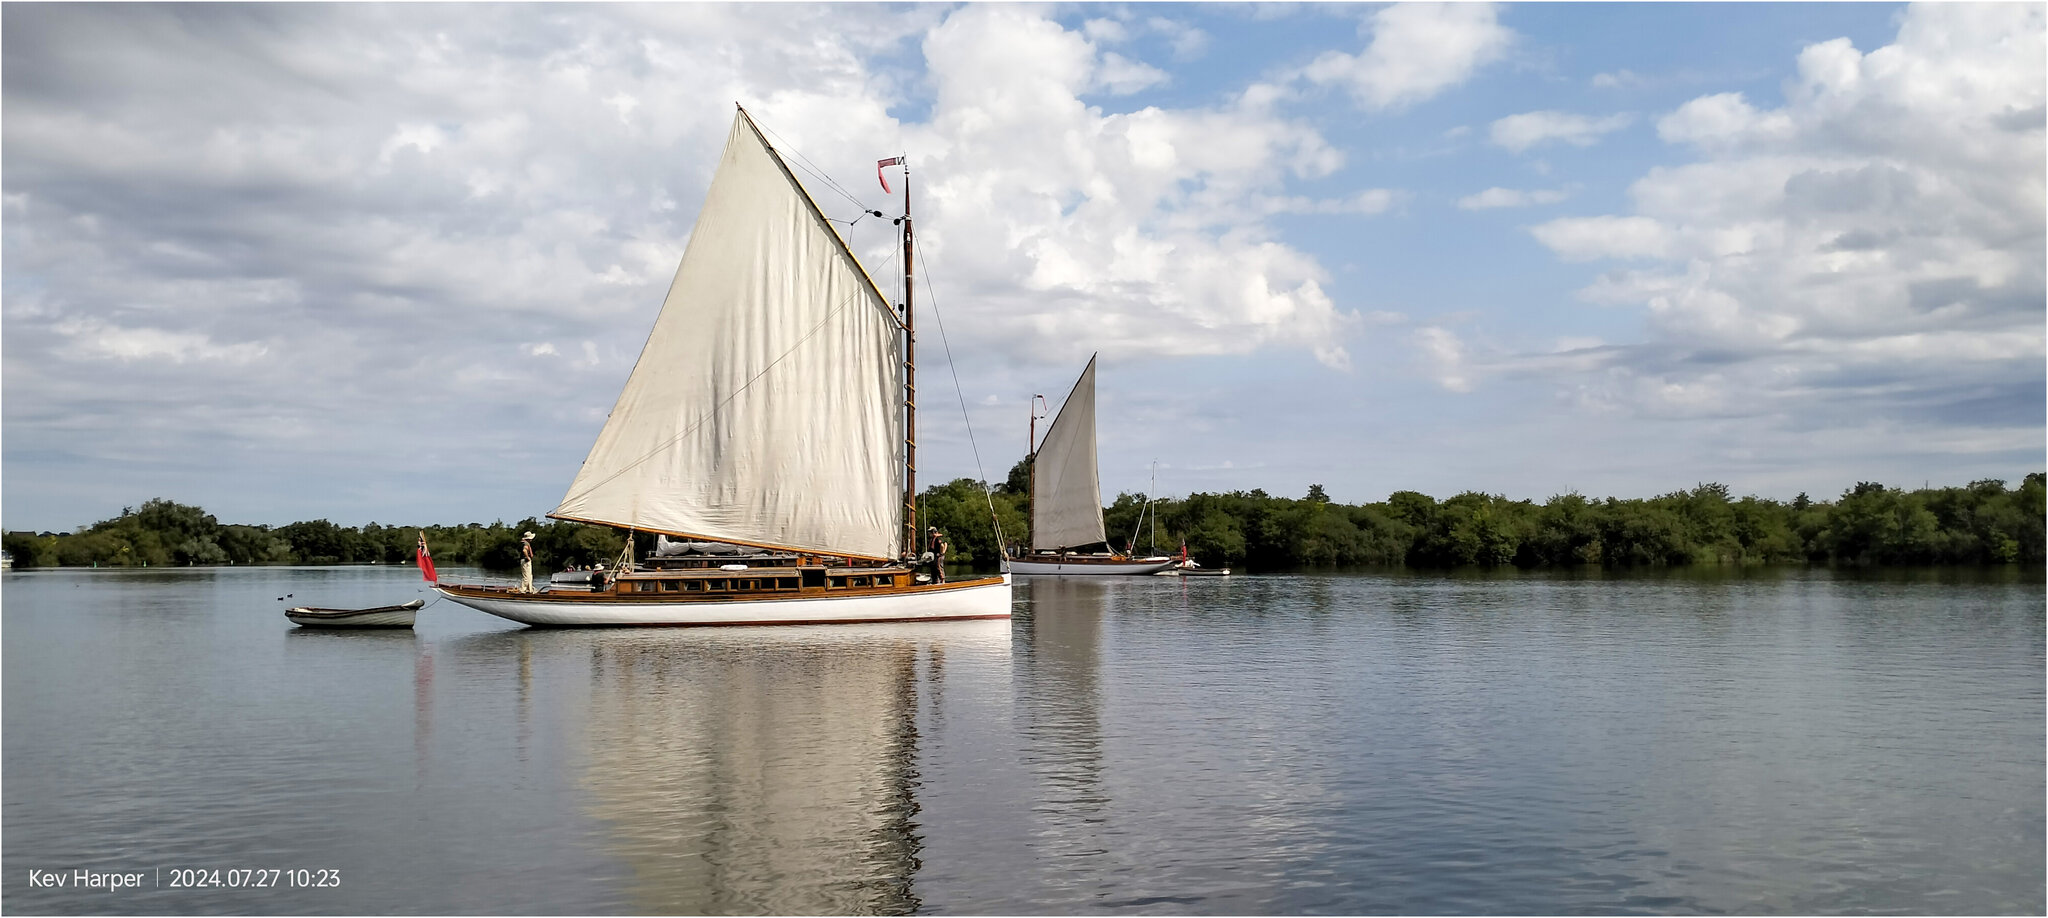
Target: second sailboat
(1066, 500)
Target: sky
(393, 263)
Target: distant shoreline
(1981, 524)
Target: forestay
(767, 406)
(1066, 502)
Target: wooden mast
(911, 542)
(1031, 473)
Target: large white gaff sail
(767, 406)
(1066, 495)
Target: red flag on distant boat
(426, 561)
(884, 164)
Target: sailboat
(1066, 498)
(769, 426)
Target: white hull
(388, 617)
(1070, 568)
(929, 603)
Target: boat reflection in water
(1062, 640)
(760, 770)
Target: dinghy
(398, 616)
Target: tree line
(163, 533)
(1984, 522)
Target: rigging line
(1139, 526)
(700, 422)
(954, 368)
(818, 172)
(804, 163)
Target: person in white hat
(526, 563)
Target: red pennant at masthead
(426, 561)
(884, 164)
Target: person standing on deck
(526, 563)
(936, 544)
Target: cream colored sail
(1066, 496)
(767, 406)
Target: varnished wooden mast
(1030, 473)
(910, 541)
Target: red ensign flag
(884, 164)
(426, 561)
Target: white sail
(767, 406)
(1066, 496)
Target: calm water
(1777, 743)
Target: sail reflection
(764, 771)
(1063, 717)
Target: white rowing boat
(398, 616)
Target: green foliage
(1473, 528)
(31, 550)
(1416, 510)
(1564, 532)
(1019, 480)
(1642, 534)
(960, 508)
(161, 533)
(1132, 528)
(1983, 522)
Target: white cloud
(424, 138)
(1369, 201)
(1188, 43)
(1722, 120)
(1517, 133)
(1509, 197)
(1138, 233)
(624, 104)
(1618, 79)
(1417, 50)
(93, 339)
(1878, 239)
(1122, 76)
(1585, 238)
(1108, 31)
(1444, 357)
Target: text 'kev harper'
(83, 879)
